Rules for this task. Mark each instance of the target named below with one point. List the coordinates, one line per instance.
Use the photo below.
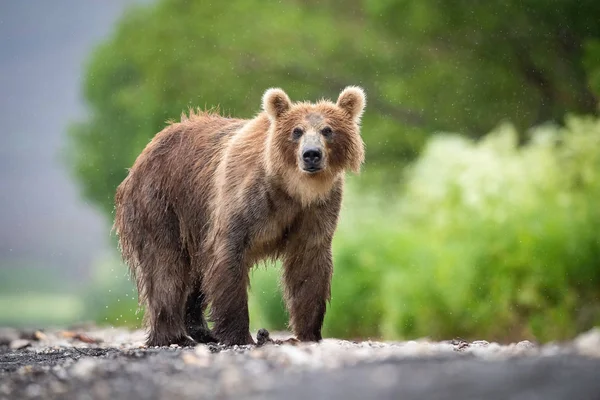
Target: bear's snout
(312, 158)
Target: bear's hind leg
(165, 314)
(165, 289)
(195, 323)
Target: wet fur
(211, 196)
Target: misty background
(46, 229)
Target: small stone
(19, 344)
(203, 351)
(294, 355)
(39, 335)
(86, 339)
(191, 359)
(445, 347)
(257, 354)
(263, 337)
(478, 351)
(525, 345)
(494, 347)
(83, 368)
(460, 345)
(60, 373)
(414, 348)
(33, 390)
(68, 334)
(27, 369)
(480, 343)
(588, 343)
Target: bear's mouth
(312, 169)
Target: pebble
(83, 368)
(588, 343)
(27, 369)
(33, 390)
(5, 389)
(39, 335)
(525, 345)
(19, 344)
(229, 371)
(191, 359)
(329, 353)
(294, 355)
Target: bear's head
(312, 144)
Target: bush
(500, 240)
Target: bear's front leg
(226, 287)
(307, 279)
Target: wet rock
(263, 337)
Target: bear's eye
(326, 132)
(297, 133)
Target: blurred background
(476, 215)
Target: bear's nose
(312, 156)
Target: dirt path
(94, 363)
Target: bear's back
(176, 169)
(187, 149)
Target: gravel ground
(93, 363)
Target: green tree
(426, 66)
(517, 59)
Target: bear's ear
(352, 100)
(276, 103)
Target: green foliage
(592, 63)
(470, 64)
(426, 65)
(510, 233)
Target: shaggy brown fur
(211, 196)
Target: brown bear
(211, 196)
